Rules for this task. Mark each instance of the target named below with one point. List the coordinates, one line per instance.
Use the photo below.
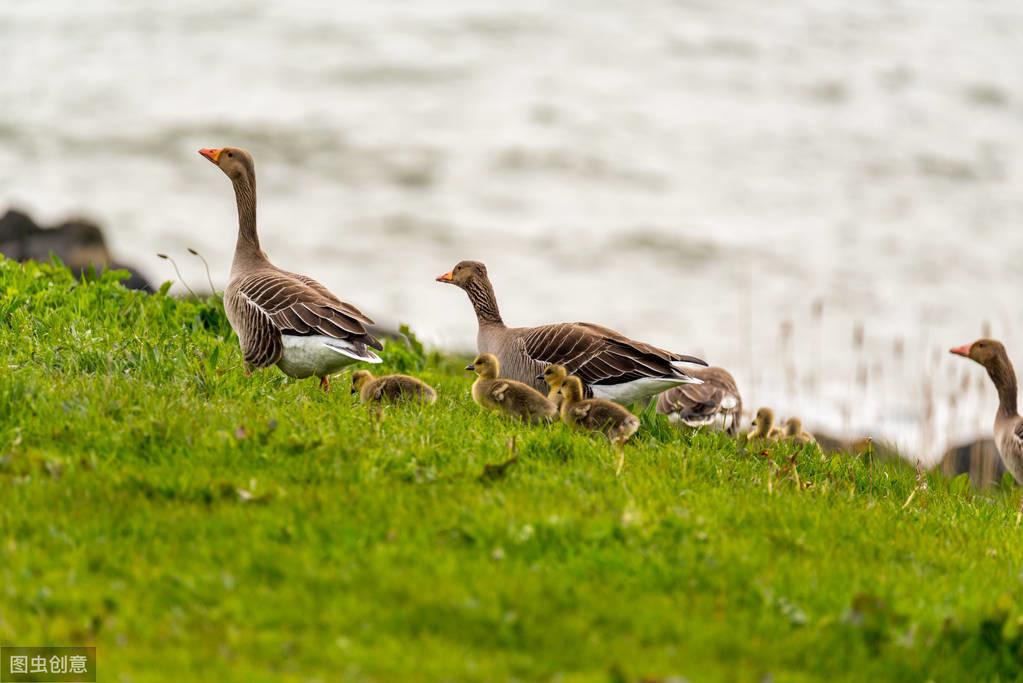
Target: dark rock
(979, 459)
(78, 243)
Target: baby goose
(596, 414)
(794, 430)
(391, 388)
(555, 376)
(763, 426)
(506, 395)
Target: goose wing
(599, 355)
(268, 304)
(717, 393)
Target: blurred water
(694, 173)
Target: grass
(197, 524)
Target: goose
(715, 404)
(513, 398)
(763, 426)
(610, 365)
(555, 376)
(282, 318)
(794, 431)
(1008, 429)
(391, 388)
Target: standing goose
(1008, 423)
(716, 403)
(282, 318)
(610, 365)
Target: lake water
(752, 182)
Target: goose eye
(230, 155)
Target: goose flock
(582, 373)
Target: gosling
(506, 395)
(763, 426)
(391, 388)
(596, 414)
(794, 431)
(555, 376)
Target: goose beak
(446, 277)
(539, 377)
(963, 350)
(470, 367)
(211, 154)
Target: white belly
(638, 390)
(319, 356)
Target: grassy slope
(197, 524)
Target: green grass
(197, 524)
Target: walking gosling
(596, 414)
(391, 388)
(506, 395)
(763, 426)
(794, 430)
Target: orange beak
(446, 277)
(963, 350)
(211, 154)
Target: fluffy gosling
(555, 376)
(794, 431)
(391, 388)
(763, 426)
(597, 415)
(508, 396)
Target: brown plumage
(716, 403)
(763, 425)
(391, 388)
(595, 414)
(284, 318)
(1008, 428)
(493, 392)
(794, 431)
(609, 364)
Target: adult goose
(715, 404)
(1008, 423)
(282, 318)
(610, 365)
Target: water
(694, 173)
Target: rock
(78, 243)
(979, 459)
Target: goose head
(987, 352)
(572, 389)
(236, 163)
(763, 422)
(464, 274)
(554, 375)
(485, 365)
(360, 378)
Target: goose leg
(325, 384)
(1019, 513)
